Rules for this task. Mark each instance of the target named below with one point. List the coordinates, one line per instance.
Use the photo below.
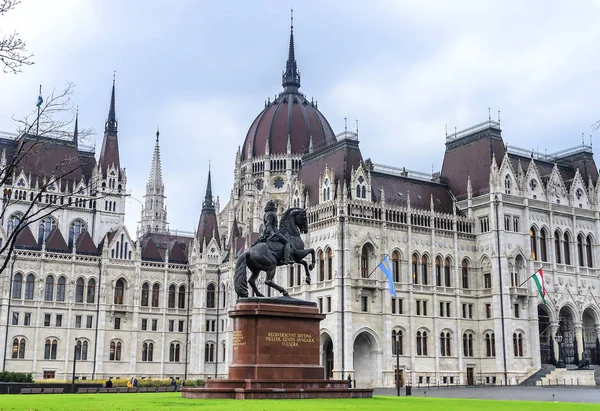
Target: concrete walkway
(561, 394)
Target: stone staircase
(536, 377)
(569, 376)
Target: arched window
(415, 277)
(397, 342)
(223, 346)
(364, 262)
(507, 184)
(17, 286)
(174, 352)
(77, 228)
(533, 243)
(155, 294)
(567, 248)
(91, 291)
(115, 351)
(557, 247)
(18, 349)
(46, 225)
(171, 302)
(181, 299)
(209, 352)
(438, 271)
(588, 250)
(145, 351)
(490, 345)
(321, 258)
(79, 290)
(465, 274)
(447, 272)
(364, 192)
(78, 347)
(329, 264)
(13, 222)
(84, 351)
(396, 266)
(119, 292)
(210, 296)
(50, 349)
(60, 288)
(468, 344)
(580, 259)
(49, 289)
(543, 239)
(424, 264)
(358, 191)
(421, 342)
(518, 344)
(445, 344)
(29, 286)
(145, 294)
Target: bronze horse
(267, 256)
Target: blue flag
(387, 270)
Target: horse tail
(239, 279)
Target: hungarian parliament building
(461, 244)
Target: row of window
(562, 247)
(48, 320)
(76, 228)
(54, 290)
(445, 308)
(445, 343)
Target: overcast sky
(202, 70)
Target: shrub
(9, 376)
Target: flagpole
(530, 277)
(374, 269)
(37, 128)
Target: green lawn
(173, 401)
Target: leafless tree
(30, 152)
(13, 51)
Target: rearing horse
(267, 256)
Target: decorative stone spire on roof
(291, 75)
(154, 210)
(208, 227)
(76, 130)
(208, 203)
(109, 154)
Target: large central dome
(289, 117)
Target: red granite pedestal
(276, 355)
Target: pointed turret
(291, 75)
(76, 130)
(109, 154)
(154, 212)
(208, 227)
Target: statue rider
(271, 231)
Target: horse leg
(252, 282)
(269, 282)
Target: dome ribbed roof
(289, 117)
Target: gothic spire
(155, 182)
(208, 203)
(291, 75)
(111, 121)
(76, 130)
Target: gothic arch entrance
(567, 329)
(546, 348)
(364, 360)
(327, 356)
(590, 337)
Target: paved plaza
(561, 394)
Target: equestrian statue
(278, 245)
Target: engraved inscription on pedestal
(238, 339)
(290, 339)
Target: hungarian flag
(40, 100)
(538, 277)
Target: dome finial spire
(291, 75)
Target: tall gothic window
(396, 266)
(155, 295)
(79, 290)
(557, 246)
(397, 343)
(447, 272)
(171, 302)
(490, 345)
(17, 286)
(580, 259)
(329, 264)
(567, 248)
(533, 243)
(91, 291)
(465, 274)
(210, 296)
(181, 298)
(414, 265)
(321, 258)
(421, 342)
(588, 251)
(543, 239)
(468, 344)
(145, 295)
(364, 262)
(60, 288)
(119, 292)
(49, 289)
(29, 286)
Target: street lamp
(559, 339)
(74, 364)
(398, 366)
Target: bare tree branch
(13, 50)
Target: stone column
(579, 335)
